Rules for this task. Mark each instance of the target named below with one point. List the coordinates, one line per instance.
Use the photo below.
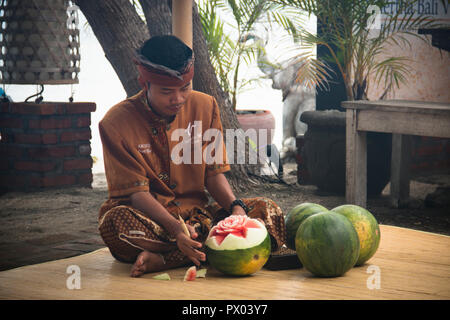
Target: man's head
(165, 66)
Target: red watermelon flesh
(236, 226)
(191, 274)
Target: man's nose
(177, 97)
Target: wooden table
(399, 117)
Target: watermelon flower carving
(238, 245)
(235, 225)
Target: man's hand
(145, 202)
(189, 247)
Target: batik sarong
(120, 224)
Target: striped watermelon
(367, 228)
(327, 244)
(238, 246)
(296, 216)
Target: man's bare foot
(147, 262)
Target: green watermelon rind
(296, 216)
(235, 262)
(357, 215)
(327, 244)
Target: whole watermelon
(367, 228)
(296, 216)
(238, 246)
(327, 244)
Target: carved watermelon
(238, 246)
(367, 228)
(296, 216)
(327, 244)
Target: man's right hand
(189, 247)
(145, 202)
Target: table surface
(411, 264)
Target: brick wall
(430, 154)
(302, 173)
(45, 145)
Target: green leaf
(228, 51)
(353, 47)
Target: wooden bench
(402, 118)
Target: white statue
(296, 98)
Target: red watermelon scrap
(191, 274)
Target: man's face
(167, 101)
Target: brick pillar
(45, 145)
(430, 154)
(302, 172)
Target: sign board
(436, 9)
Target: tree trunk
(158, 15)
(205, 80)
(120, 31)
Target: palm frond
(311, 73)
(228, 51)
(354, 47)
(393, 71)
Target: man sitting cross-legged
(148, 188)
